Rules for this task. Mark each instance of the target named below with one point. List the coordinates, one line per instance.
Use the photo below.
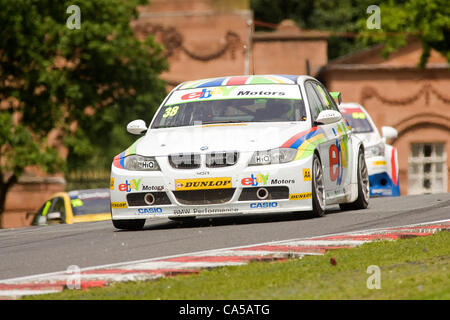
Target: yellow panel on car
(300, 196)
(202, 184)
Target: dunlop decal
(111, 184)
(300, 196)
(119, 205)
(202, 184)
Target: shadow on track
(217, 221)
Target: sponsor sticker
(255, 180)
(130, 185)
(111, 184)
(149, 210)
(209, 92)
(282, 181)
(379, 163)
(229, 92)
(358, 115)
(306, 175)
(263, 205)
(202, 183)
(300, 196)
(119, 205)
(205, 211)
(152, 188)
(76, 203)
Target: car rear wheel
(135, 224)
(363, 186)
(318, 188)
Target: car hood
(218, 137)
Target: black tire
(317, 188)
(363, 186)
(135, 224)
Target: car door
(339, 150)
(316, 106)
(334, 150)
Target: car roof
(242, 80)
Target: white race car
(381, 158)
(237, 145)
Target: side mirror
(137, 127)
(336, 96)
(54, 216)
(328, 117)
(389, 132)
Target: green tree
(429, 20)
(85, 82)
(335, 16)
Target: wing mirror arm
(317, 123)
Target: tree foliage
(85, 82)
(429, 20)
(337, 16)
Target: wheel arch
(353, 186)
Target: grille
(199, 197)
(249, 194)
(221, 159)
(185, 161)
(136, 199)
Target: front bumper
(380, 180)
(381, 185)
(210, 191)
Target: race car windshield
(358, 121)
(230, 111)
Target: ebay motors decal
(255, 180)
(208, 93)
(130, 185)
(234, 92)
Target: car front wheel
(318, 188)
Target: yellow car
(75, 206)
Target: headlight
(375, 150)
(140, 163)
(278, 155)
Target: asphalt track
(37, 250)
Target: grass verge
(417, 268)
